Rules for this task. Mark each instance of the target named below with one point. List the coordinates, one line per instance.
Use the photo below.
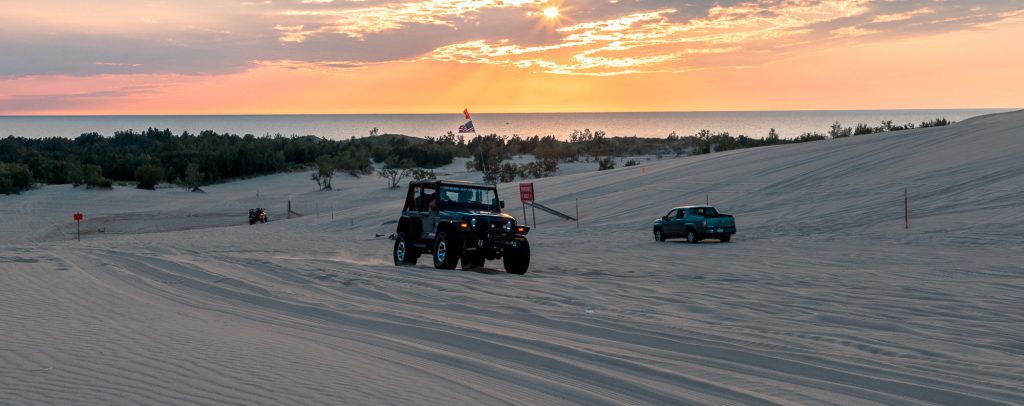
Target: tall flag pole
(468, 128)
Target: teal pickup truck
(695, 223)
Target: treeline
(193, 160)
(596, 147)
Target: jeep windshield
(468, 198)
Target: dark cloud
(251, 35)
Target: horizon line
(496, 112)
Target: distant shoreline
(788, 123)
(495, 113)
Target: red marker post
(78, 221)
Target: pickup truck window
(671, 214)
(680, 214)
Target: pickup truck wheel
(404, 254)
(470, 261)
(446, 252)
(517, 259)
(691, 237)
(658, 236)
(725, 238)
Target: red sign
(78, 216)
(526, 192)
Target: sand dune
(822, 298)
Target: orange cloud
(650, 42)
(886, 18)
(358, 22)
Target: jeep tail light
(463, 225)
(520, 229)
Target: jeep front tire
(517, 258)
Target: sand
(823, 297)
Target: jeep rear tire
(447, 251)
(404, 253)
(517, 259)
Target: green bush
(148, 176)
(14, 178)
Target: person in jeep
(457, 222)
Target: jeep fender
(447, 227)
(403, 226)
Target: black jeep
(459, 221)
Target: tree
(773, 137)
(94, 177)
(605, 163)
(193, 178)
(14, 178)
(149, 175)
(395, 170)
(325, 167)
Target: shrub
(935, 123)
(837, 130)
(422, 174)
(325, 166)
(394, 176)
(94, 177)
(193, 178)
(862, 129)
(148, 176)
(605, 163)
(395, 170)
(14, 178)
(508, 172)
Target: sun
(551, 12)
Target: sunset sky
(439, 56)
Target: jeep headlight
(472, 223)
(508, 226)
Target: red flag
(466, 112)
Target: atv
(459, 222)
(257, 215)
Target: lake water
(339, 126)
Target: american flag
(467, 128)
